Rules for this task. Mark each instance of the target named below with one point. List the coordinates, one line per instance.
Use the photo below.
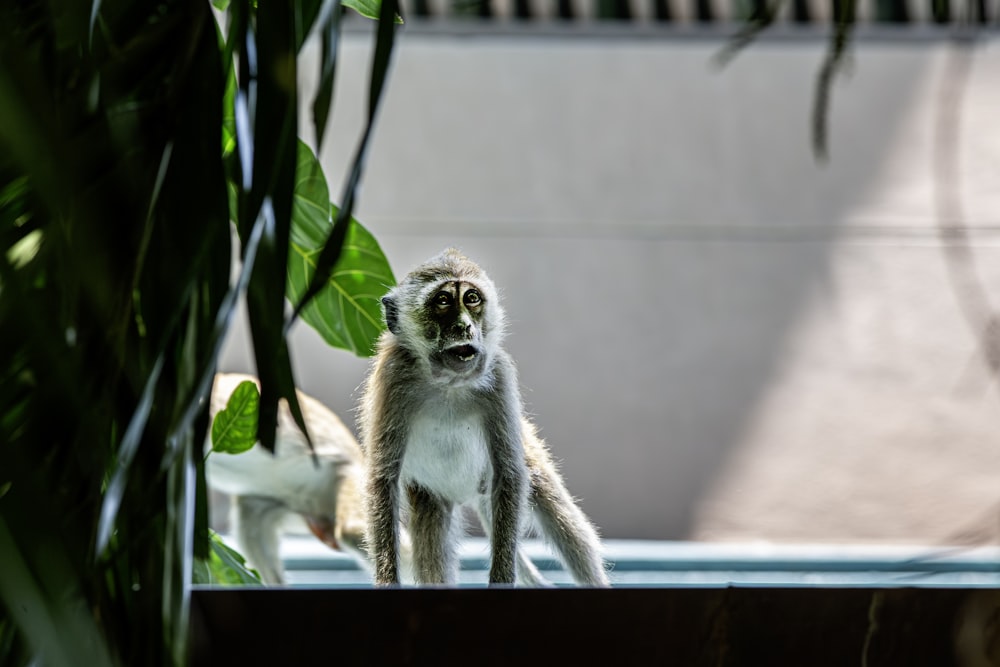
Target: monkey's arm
(510, 480)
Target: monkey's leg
(432, 526)
(527, 574)
(567, 528)
(382, 530)
(349, 529)
(257, 519)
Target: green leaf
(329, 31)
(269, 147)
(368, 8)
(25, 250)
(347, 312)
(224, 565)
(234, 429)
(229, 113)
(329, 255)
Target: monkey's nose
(460, 333)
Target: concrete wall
(720, 337)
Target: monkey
(325, 491)
(442, 425)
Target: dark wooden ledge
(800, 626)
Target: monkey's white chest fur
(446, 453)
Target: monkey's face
(453, 323)
(447, 313)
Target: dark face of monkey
(448, 314)
(453, 318)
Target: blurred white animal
(268, 488)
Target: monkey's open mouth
(463, 353)
(461, 358)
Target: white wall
(719, 336)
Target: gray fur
(441, 417)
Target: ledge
(673, 603)
(575, 626)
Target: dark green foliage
(105, 326)
(115, 297)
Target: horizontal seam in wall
(980, 234)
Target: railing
(705, 12)
(660, 563)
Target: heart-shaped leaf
(347, 313)
(235, 427)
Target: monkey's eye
(472, 298)
(442, 299)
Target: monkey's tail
(569, 530)
(528, 574)
(559, 518)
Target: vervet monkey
(267, 488)
(442, 426)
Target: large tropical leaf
(329, 255)
(347, 311)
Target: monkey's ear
(391, 314)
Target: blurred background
(720, 335)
